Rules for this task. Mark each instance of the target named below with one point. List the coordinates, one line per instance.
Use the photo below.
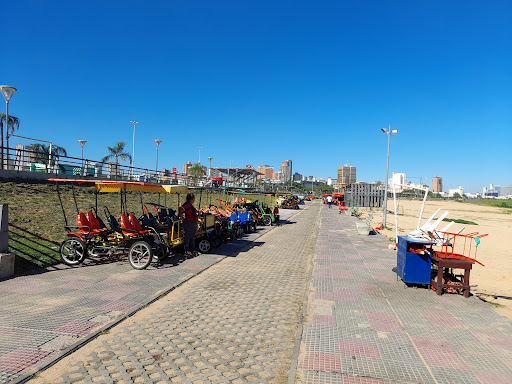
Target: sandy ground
(493, 282)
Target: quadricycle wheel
(72, 251)
(140, 255)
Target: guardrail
(25, 160)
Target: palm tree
(12, 125)
(41, 153)
(196, 171)
(117, 152)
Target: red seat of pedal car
(135, 224)
(94, 223)
(83, 223)
(125, 223)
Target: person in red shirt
(188, 216)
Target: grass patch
(496, 305)
(36, 223)
(491, 203)
(460, 221)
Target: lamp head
(82, 142)
(157, 142)
(7, 91)
(383, 130)
(393, 131)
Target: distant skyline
(261, 82)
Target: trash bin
(363, 228)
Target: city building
(297, 177)
(347, 174)
(397, 181)
(267, 171)
(186, 167)
(437, 184)
(458, 190)
(286, 170)
(497, 191)
(277, 176)
(331, 181)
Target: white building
(458, 190)
(396, 181)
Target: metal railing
(26, 160)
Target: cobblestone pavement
(364, 326)
(234, 323)
(46, 315)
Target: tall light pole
(133, 150)
(210, 171)
(199, 154)
(82, 143)
(389, 132)
(229, 170)
(157, 142)
(7, 91)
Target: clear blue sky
(260, 82)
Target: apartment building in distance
(186, 167)
(437, 184)
(347, 174)
(267, 170)
(286, 170)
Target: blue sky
(260, 82)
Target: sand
(492, 282)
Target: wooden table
(443, 264)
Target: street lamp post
(199, 154)
(210, 171)
(229, 170)
(82, 143)
(157, 142)
(7, 91)
(133, 150)
(389, 132)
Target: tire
(239, 232)
(248, 228)
(204, 245)
(162, 253)
(140, 255)
(216, 241)
(254, 227)
(73, 251)
(267, 220)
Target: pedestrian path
(234, 323)
(364, 326)
(45, 315)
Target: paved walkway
(240, 320)
(46, 315)
(234, 323)
(364, 326)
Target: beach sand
(492, 282)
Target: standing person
(329, 201)
(188, 216)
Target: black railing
(27, 160)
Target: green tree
(117, 152)
(456, 196)
(41, 153)
(197, 170)
(12, 125)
